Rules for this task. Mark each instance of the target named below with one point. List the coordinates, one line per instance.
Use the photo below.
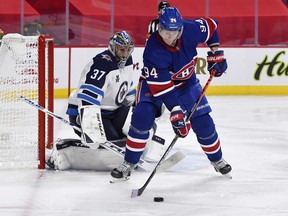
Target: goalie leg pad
(126, 125)
(140, 132)
(58, 159)
(72, 154)
(154, 148)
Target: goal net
(26, 69)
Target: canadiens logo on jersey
(186, 72)
(107, 57)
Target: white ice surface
(253, 133)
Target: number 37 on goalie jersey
(98, 74)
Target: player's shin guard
(135, 144)
(204, 128)
(214, 154)
(207, 136)
(211, 146)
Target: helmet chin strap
(122, 61)
(121, 64)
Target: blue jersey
(169, 77)
(168, 71)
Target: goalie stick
(170, 162)
(138, 192)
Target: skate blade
(118, 180)
(227, 176)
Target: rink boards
(251, 71)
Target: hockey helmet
(170, 19)
(121, 45)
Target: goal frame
(46, 123)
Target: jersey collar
(176, 48)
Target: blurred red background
(92, 22)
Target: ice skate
(221, 166)
(50, 163)
(122, 172)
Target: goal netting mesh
(20, 68)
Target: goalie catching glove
(216, 62)
(177, 119)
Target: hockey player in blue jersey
(169, 78)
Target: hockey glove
(177, 118)
(216, 62)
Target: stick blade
(137, 192)
(134, 193)
(171, 161)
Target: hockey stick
(138, 192)
(155, 138)
(107, 145)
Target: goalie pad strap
(65, 143)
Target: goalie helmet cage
(27, 69)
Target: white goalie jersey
(104, 84)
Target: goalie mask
(170, 25)
(121, 46)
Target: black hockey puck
(158, 199)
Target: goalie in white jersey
(107, 89)
(100, 107)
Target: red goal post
(27, 69)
